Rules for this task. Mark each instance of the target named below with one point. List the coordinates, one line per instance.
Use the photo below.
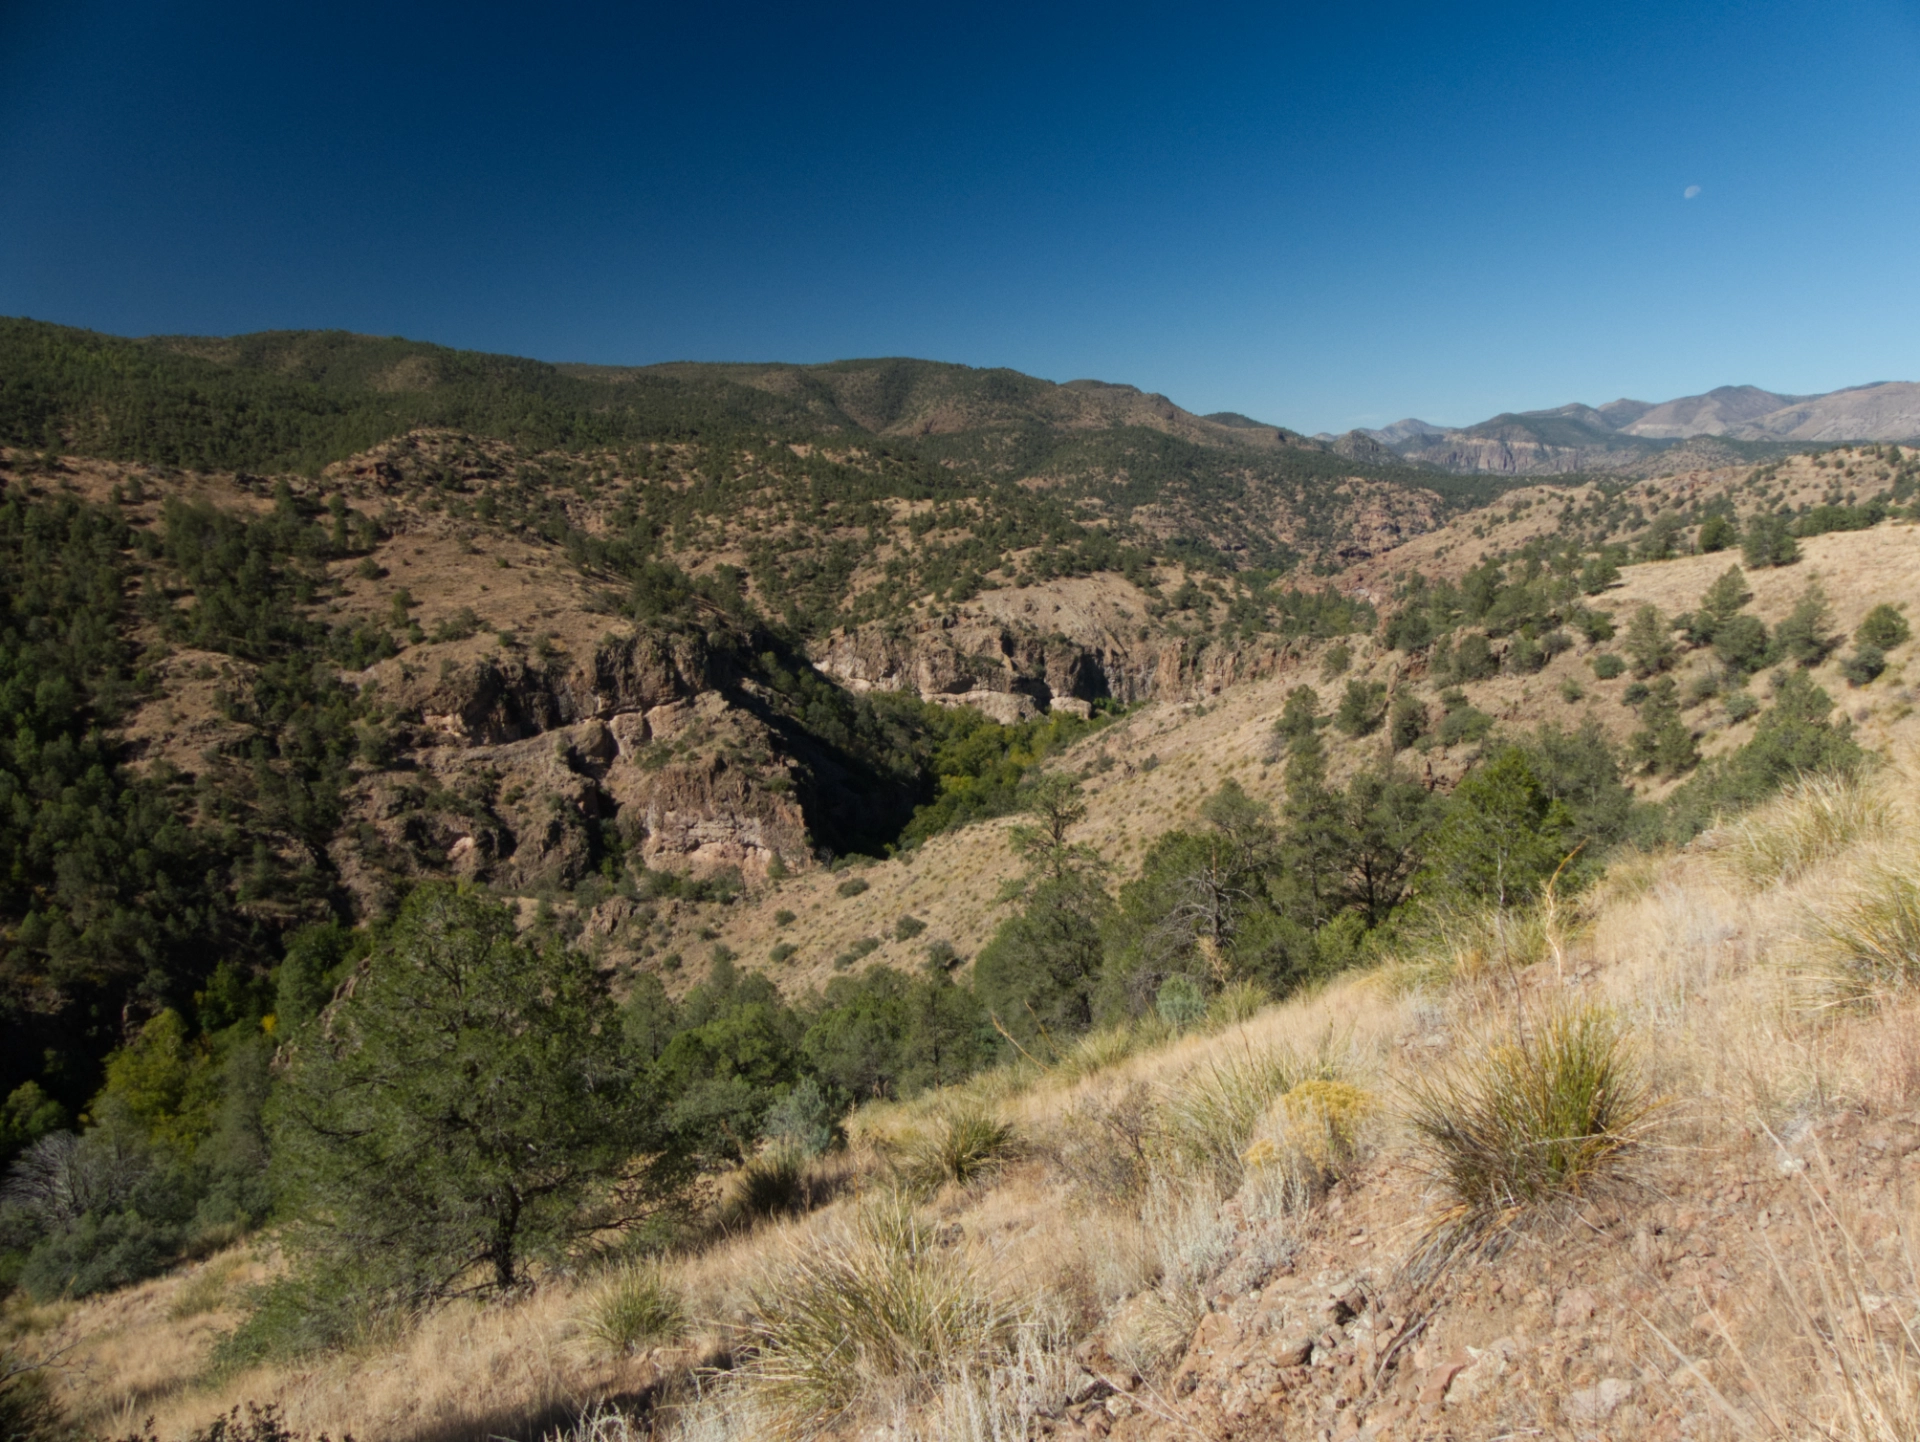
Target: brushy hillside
(650, 880)
(1636, 1165)
(1080, 456)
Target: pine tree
(1663, 745)
(1502, 837)
(1648, 644)
(466, 1104)
(1721, 604)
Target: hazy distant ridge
(1623, 432)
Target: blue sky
(1321, 219)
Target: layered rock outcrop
(522, 770)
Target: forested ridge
(302, 400)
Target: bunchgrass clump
(636, 1307)
(1234, 1003)
(771, 1184)
(1207, 1118)
(881, 1308)
(1868, 942)
(1548, 1114)
(960, 1144)
(1816, 818)
(208, 1290)
(1191, 1239)
(1098, 1050)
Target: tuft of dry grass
(1550, 1112)
(1101, 1050)
(771, 1184)
(1840, 1358)
(1868, 941)
(1191, 1239)
(1467, 945)
(1207, 1118)
(208, 1290)
(1236, 1002)
(1004, 1400)
(1815, 819)
(880, 1309)
(635, 1307)
(961, 1144)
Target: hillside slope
(882, 746)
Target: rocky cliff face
(523, 771)
(1013, 670)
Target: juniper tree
(1883, 627)
(1768, 542)
(1363, 706)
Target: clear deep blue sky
(1324, 216)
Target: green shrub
(803, 1120)
(1883, 627)
(1768, 542)
(101, 1252)
(1596, 626)
(1741, 704)
(1463, 723)
(1803, 635)
(1717, 532)
(28, 1412)
(783, 917)
(296, 1315)
(1180, 1002)
(781, 952)
(1407, 721)
(1649, 642)
(635, 1308)
(1864, 666)
(1551, 1112)
(907, 928)
(1607, 665)
(1363, 706)
(1742, 643)
(852, 886)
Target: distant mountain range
(1629, 435)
